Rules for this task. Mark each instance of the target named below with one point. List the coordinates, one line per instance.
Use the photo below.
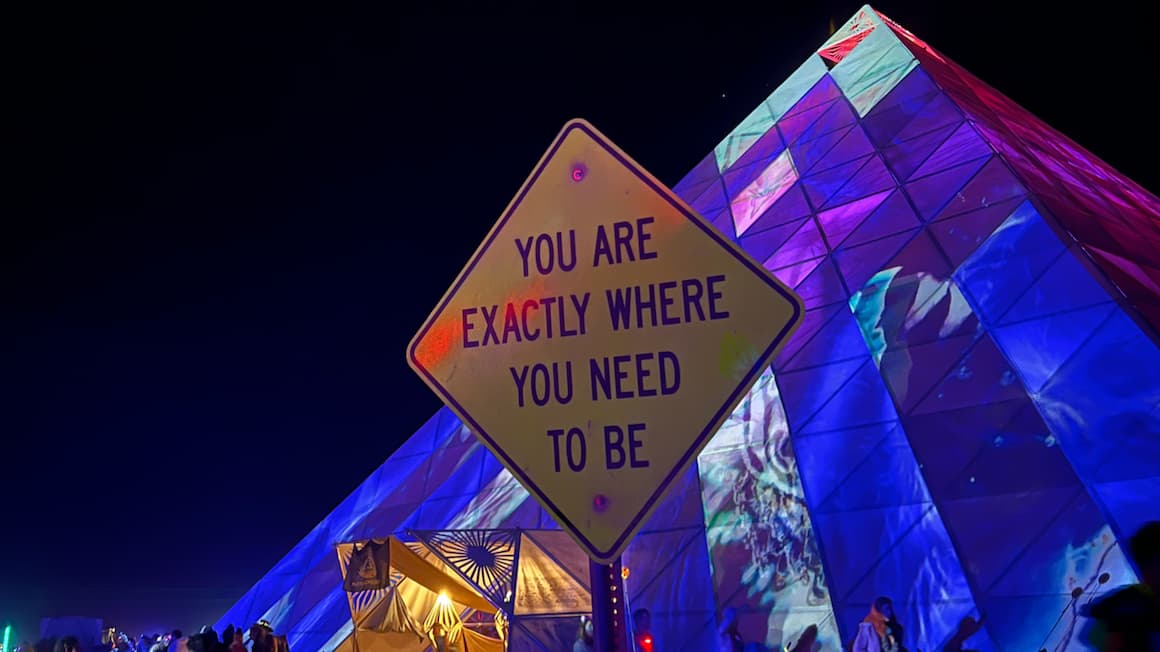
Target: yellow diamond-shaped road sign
(599, 336)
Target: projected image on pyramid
(967, 422)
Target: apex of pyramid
(849, 35)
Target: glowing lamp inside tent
(443, 600)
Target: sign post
(597, 339)
(609, 607)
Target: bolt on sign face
(599, 336)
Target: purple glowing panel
(862, 263)
(871, 178)
(762, 244)
(963, 145)
(711, 199)
(698, 178)
(853, 145)
(903, 103)
(793, 275)
(811, 154)
(893, 215)
(905, 157)
(805, 244)
(959, 236)
(932, 193)
(822, 286)
(838, 223)
(993, 184)
(820, 185)
(813, 320)
(838, 116)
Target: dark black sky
(227, 226)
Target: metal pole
(609, 625)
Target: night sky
(227, 226)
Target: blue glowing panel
(937, 113)
(860, 400)
(1132, 501)
(861, 468)
(1038, 347)
(673, 581)
(1101, 403)
(1032, 601)
(805, 392)
(1066, 285)
(1009, 262)
(837, 339)
(981, 377)
(827, 459)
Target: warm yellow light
(443, 600)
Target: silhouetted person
(729, 636)
(1129, 619)
(968, 627)
(261, 637)
(807, 640)
(642, 631)
(874, 633)
(585, 637)
(67, 644)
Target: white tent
(480, 590)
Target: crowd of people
(261, 639)
(1126, 619)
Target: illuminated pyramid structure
(968, 421)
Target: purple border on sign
(705, 433)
